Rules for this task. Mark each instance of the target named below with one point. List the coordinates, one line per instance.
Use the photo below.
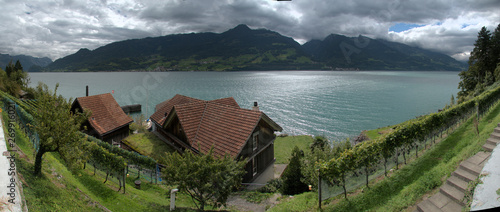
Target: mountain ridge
(242, 48)
(29, 63)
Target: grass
(374, 134)
(283, 146)
(301, 202)
(407, 186)
(148, 144)
(59, 189)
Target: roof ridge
(199, 124)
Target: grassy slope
(60, 190)
(408, 185)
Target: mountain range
(29, 63)
(242, 48)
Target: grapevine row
(402, 138)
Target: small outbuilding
(108, 122)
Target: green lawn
(148, 144)
(283, 146)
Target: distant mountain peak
(241, 27)
(83, 50)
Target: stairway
(451, 193)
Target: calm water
(334, 104)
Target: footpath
(484, 165)
(10, 198)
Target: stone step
(470, 167)
(453, 193)
(493, 141)
(427, 205)
(498, 124)
(497, 129)
(485, 159)
(464, 175)
(452, 206)
(480, 158)
(457, 183)
(495, 135)
(489, 147)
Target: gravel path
(240, 204)
(10, 199)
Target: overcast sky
(55, 29)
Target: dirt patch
(237, 202)
(385, 131)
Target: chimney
(87, 91)
(255, 106)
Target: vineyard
(110, 159)
(404, 138)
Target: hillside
(242, 48)
(237, 49)
(338, 51)
(29, 63)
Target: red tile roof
(165, 107)
(219, 123)
(107, 115)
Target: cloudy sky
(56, 28)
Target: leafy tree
(292, 176)
(207, 179)
(312, 160)
(319, 142)
(58, 128)
(14, 79)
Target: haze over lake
(331, 103)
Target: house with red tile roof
(188, 123)
(108, 122)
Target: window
(255, 143)
(254, 166)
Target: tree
(58, 128)
(14, 79)
(319, 142)
(482, 63)
(207, 179)
(292, 176)
(495, 48)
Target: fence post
(319, 189)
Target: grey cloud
(56, 29)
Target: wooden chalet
(108, 122)
(189, 123)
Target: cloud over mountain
(57, 28)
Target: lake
(336, 104)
